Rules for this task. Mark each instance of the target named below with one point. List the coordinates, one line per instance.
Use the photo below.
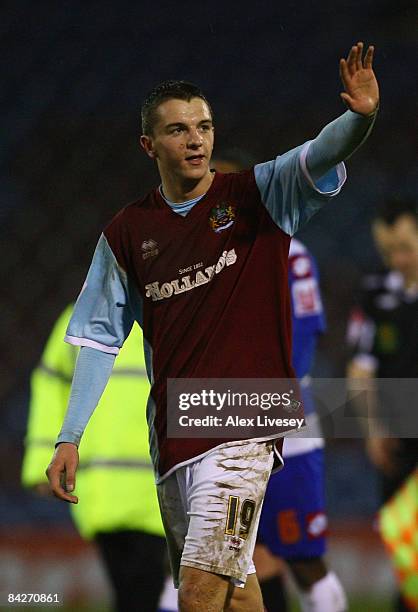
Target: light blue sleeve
(297, 184)
(338, 141)
(92, 371)
(289, 192)
(106, 307)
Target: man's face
(398, 245)
(182, 139)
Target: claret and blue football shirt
(209, 289)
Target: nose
(195, 139)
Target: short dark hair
(167, 90)
(396, 207)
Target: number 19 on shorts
(246, 516)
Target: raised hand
(361, 89)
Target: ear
(147, 144)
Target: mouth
(195, 160)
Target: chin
(195, 174)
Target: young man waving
(201, 264)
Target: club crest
(149, 249)
(221, 217)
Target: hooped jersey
(308, 318)
(210, 289)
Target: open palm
(361, 89)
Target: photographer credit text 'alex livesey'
(244, 408)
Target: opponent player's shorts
(293, 522)
(211, 510)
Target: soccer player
(201, 264)
(293, 521)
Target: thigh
(293, 522)
(224, 505)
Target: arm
(50, 390)
(295, 185)
(340, 138)
(362, 367)
(91, 375)
(101, 321)
(381, 448)
(361, 372)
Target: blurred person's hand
(61, 471)
(42, 489)
(361, 93)
(383, 454)
(356, 370)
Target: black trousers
(135, 562)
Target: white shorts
(211, 509)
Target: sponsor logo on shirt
(156, 292)
(306, 299)
(301, 266)
(316, 525)
(221, 217)
(149, 248)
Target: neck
(178, 192)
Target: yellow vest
(115, 480)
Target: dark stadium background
(73, 77)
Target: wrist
(372, 113)
(58, 443)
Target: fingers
(70, 469)
(352, 60)
(368, 60)
(359, 63)
(61, 472)
(355, 61)
(56, 478)
(344, 72)
(382, 454)
(346, 99)
(55, 474)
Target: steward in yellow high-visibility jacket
(115, 480)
